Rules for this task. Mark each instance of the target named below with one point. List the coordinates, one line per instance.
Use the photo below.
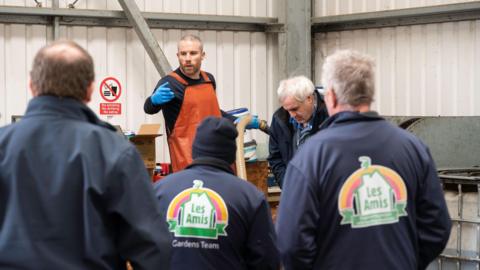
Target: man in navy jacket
(299, 117)
(75, 195)
(361, 193)
(218, 220)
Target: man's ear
(30, 87)
(310, 99)
(333, 98)
(88, 96)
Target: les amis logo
(372, 195)
(198, 212)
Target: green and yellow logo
(372, 195)
(198, 212)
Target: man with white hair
(362, 193)
(302, 112)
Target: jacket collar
(63, 107)
(213, 162)
(350, 116)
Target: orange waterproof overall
(199, 102)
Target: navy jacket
(361, 194)
(75, 195)
(281, 138)
(218, 221)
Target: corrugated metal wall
(421, 70)
(340, 7)
(243, 63)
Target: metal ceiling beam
(146, 36)
(117, 18)
(399, 17)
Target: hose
(263, 126)
(240, 159)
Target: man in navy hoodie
(75, 195)
(361, 193)
(218, 220)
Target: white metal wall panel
(340, 7)
(244, 64)
(421, 70)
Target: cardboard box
(144, 140)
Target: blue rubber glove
(162, 94)
(253, 124)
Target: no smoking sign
(110, 91)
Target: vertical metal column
(477, 255)
(56, 22)
(146, 36)
(459, 225)
(295, 45)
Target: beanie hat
(215, 138)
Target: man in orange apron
(186, 96)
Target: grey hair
(191, 37)
(351, 75)
(299, 87)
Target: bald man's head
(63, 69)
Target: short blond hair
(191, 37)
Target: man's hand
(162, 94)
(253, 124)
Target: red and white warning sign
(110, 91)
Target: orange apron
(199, 102)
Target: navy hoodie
(361, 194)
(218, 220)
(75, 195)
